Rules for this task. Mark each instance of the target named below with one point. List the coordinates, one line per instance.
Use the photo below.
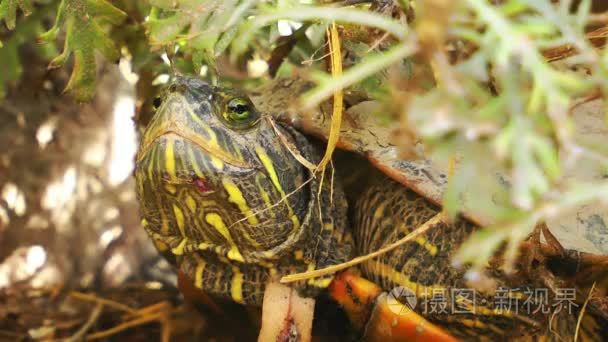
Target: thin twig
(158, 307)
(311, 60)
(275, 204)
(126, 325)
(107, 302)
(93, 317)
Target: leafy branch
(368, 67)
(82, 21)
(526, 125)
(205, 28)
(482, 245)
(29, 28)
(8, 11)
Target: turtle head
(213, 174)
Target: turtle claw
(551, 240)
(532, 255)
(558, 267)
(536, 255)
(379, 316)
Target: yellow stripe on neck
(170, 157)
(179, 218)
(267, 162)
(216, 221)
(198, 273)
(236, 289)
(236, 196)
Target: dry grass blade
(106, 302)
(159, 317)
(79, 335)
(158, 312)
(582, 313)
(158, 307)
(275, 204)
(339, 267)
(336, 117)
(293, 150)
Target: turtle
(225, 197)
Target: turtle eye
(239, 110)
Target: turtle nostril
(172, 88)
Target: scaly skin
(224, 198)
(387, 212)
(216, 196)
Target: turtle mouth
(178, 128)
(191, 137)
(166, 154)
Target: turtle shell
(584, 230)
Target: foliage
(29, 29)
(527, 127)
(8, 11)
(82, 20)
(493, 101)
(204, 28)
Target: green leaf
(582, 13)
(208, 26)
(8, 11)
(512, 7)
(165, 31)
(25, 33)
(10, 59)
(367, 67)
(480, 246)
(316, 13)
(82, 20)
(547, 155)
(528, 178)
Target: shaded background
(68, 214)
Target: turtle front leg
(380, 316)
